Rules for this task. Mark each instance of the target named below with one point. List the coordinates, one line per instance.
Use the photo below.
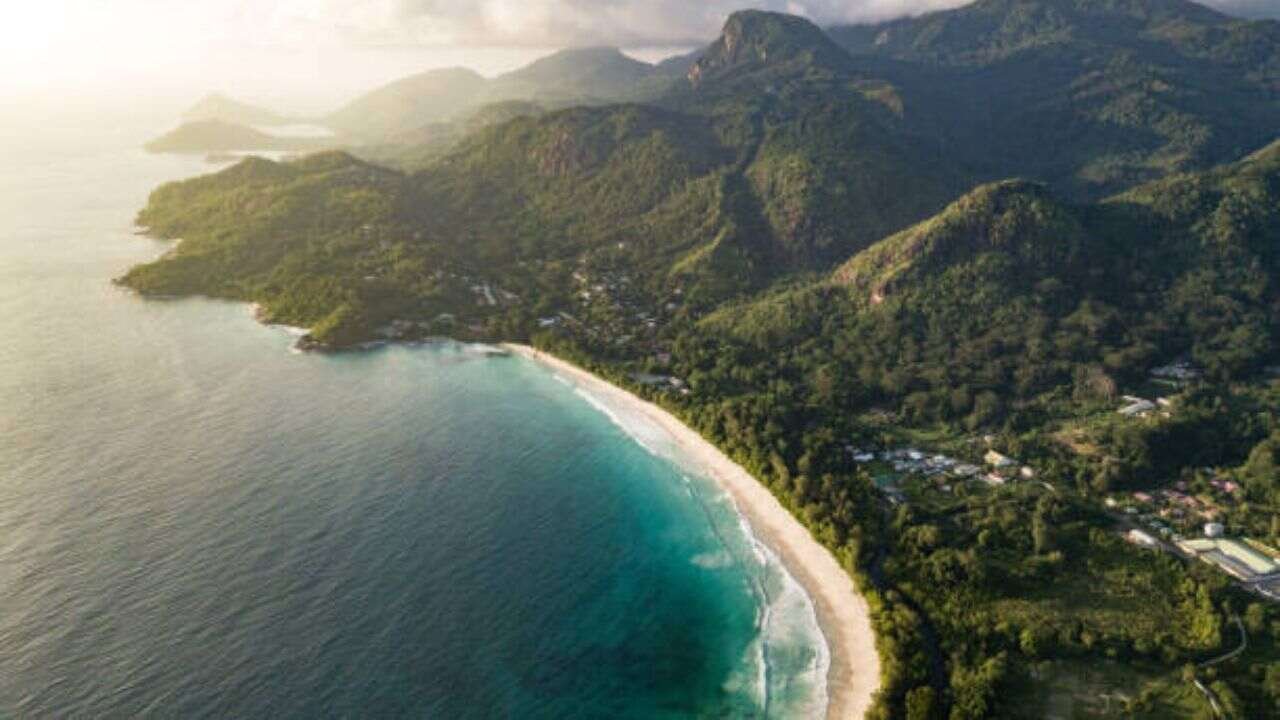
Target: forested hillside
(1092, 96)
(768, 169)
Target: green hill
(575, 75)
(1091, 96)
(409, 104)
(417, 149)
(564, 78)
(822, 147)
(1011, 292)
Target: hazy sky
(281, 47)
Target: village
(1177, 520)
(891, 468)
(1188, 524)
(1173, 377)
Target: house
(993, 479)
(966, 470)
(896, 496)
(1238, 559)
(996, 460)
(1181, 371)
(1213, 530)
(1136, 407)
(1225, 486)
(1142, 538)
(1027, 472)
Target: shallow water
(195, 522)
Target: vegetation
(776, 235)
(1091, 96)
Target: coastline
(843, 615)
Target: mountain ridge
(1089, 95)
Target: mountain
(755, 40)
(217, 136)
(580, 74)
(822, 147)
(409, 104)
(1013, 291)
(1091, 96)
(990, 31)
(568, 77)
(224, 109)
(715, 189)
(416, 149)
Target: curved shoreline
(843, 615)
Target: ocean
(197, 522)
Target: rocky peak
(755, 39)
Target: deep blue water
(195, 522)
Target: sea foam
(785, 668)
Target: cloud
(543, 23)
(547, 23)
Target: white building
(1137, 407)
(996, 460)
(1140, 537)
(1213, 530)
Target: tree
(1271, 682)
(921, 703)
(1232, 706)
(1041, 532)
(1255, 618)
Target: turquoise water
(196, 522)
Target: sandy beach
(843, 615)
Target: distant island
(989, 299)
(428, 113)
(216, 136)
(224, 109)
